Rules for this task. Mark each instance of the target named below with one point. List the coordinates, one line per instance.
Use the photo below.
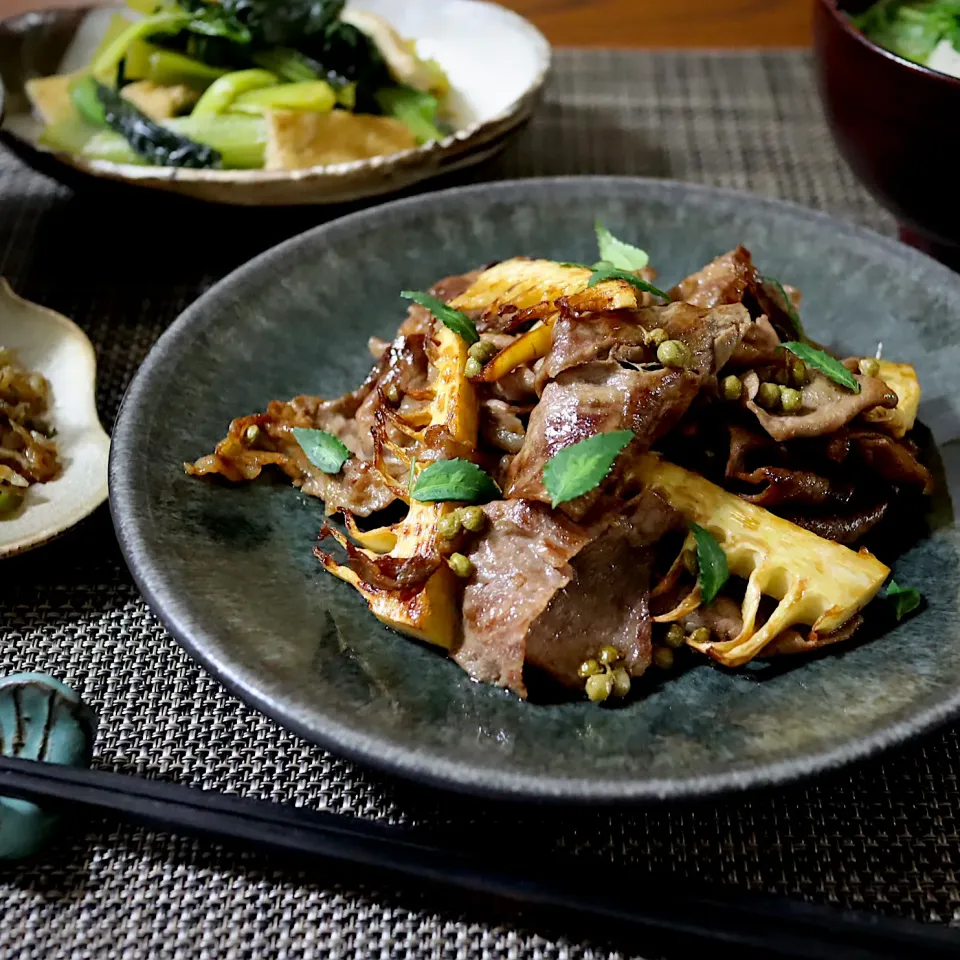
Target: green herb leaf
(823, 362)
(323, 449)
(711, 563)
(458, 322)
(573, 263)
(905, 599)
(788, 307)
(577, 469)
(454, 480)
(605, 271)
(617, 253)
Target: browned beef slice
(598, 397)
(827, 406)
(847, 527)
(607, 600)
(894, 460)
(500, 427)
(519, 564)
(601, 396)
(724, 280)
(621, 335)
(733, 278)
(757, 346)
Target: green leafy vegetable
(787, 305)
(296, 67)
(904, 599)
(823, 362)
(622, 256)
(454, 480)
(264, 23)
(573, 263)
(458, 322)
(713, 572)
(909, 29)
(605, 271)
(577, 469)
(323, 449)
(149, 140)
(417, 110)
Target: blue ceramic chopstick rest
(40, 719)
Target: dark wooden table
(669, 23)
(631, 23)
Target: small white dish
(497, 63)
(49, 343)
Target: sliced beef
(603, 395)
(606, 602)
(724, 280)
(780, 485)
(744, 443)
(756, 347)
(357, 488)
(733, 278)
(893, 460)
(847, 527)
(599, 397)
(521, 561)
(827, 406)
(551, 592)
(354, 419)
(621, 335)
(500, 427)
(580, 340)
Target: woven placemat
(882, 836)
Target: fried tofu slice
(160, 102)
(302, 138)
(50, 96)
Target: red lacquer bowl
(894, 122)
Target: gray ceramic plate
(229, 569)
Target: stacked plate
(496, 62)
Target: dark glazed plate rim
(833, 9)
(336, 735)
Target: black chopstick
(594, 896)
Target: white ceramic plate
(497, 63)
(56, 347)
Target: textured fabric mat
(883, 835)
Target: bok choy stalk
(415, 109)
(313, 95)
(145, 61)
